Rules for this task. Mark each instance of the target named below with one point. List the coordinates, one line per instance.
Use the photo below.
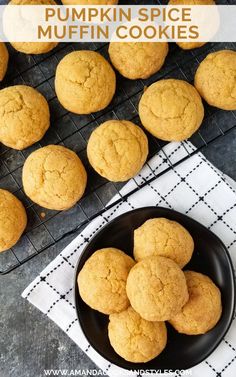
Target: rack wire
(45, 227)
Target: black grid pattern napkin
(194, 187)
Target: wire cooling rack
(45, 227)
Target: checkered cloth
(194, 187)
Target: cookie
(215, 79)
(54, 177)
(35, 48)
(156, 288)
(89, 2)
(4, 57)
(203, 310)
(134, 338)
(138, 60)
(171, 110)
(117, 150)
(85, 82)
(165, 238)
(191, 45)
(102, 280)
(24, 116)
(13, 220)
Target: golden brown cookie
(138, 60)
(54, 177)
(13, 220)
(24, 116)
(171, 110)
(33, 47)
(165, 238)
(134, 338)
(89, 2)
(4, 57)
(215, 79)
(85, 82)
(203, 310)
(156, 288)
(191, 45)
(117, 150)
(102, 280)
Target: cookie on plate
(203, 309)
(54, 177)
(215, 79)
(138, 60)
(24, 116)
(85, 82)
(102, 280)
(156, 288)
(117, 150)
(13, 220)
(134, 338)
(4, 57)
(165, 238)
(171, 110)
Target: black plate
(210, 257)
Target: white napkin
(194, 187)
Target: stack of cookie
(140, 295)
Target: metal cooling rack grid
(46, 227)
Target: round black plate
(210, 257)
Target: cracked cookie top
(215, 79)
(85, 82)
(4, 56)
(138, 60)
(165, 238)
(102, 280)
(54, 177)
(171, 110)
(134, 338)
(203, 309)
(156, 288)
(24, 116)
(117, 150)
(13, 220)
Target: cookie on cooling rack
(4, 57)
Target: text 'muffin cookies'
(171, 110)
(203, 310)
(165, 238)
(34, 48)
(191, 45)
(117, 150)
(156, 288)
(215, 79)
(24, 116)
(54, 177)
(102, 280)
(134, 338)
(4, 57)
(13, 220)
(85, 82)
(138, 60)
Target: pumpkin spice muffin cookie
(215, 79)
(171, 110)
(117, 150)
(156, 288)
(134, 338)
(102, 280)
(54, 177)
(85, 82)
(165, 238)
(138, 60)
(191, 45)
(24, 116)
(204, 308)
(33, 47)
(13, 220)
(4, 57)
